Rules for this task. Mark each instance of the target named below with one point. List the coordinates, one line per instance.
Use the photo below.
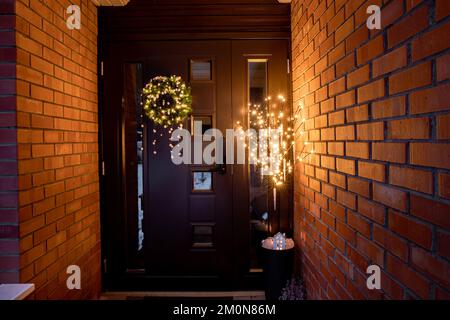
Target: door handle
(219, 168)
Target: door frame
(111, 197)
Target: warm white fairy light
(167, 102)
(271, 119)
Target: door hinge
(288, 65)
(103, 168)
(105, 269)
(101, 68)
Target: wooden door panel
(176, 216)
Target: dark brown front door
(188, 208)
(186, 226)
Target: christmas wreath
(167, 100)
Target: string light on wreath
(167, 102)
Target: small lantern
(279, 241)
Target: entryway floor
(202, 295)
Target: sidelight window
(258, 183)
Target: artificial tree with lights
(275, 157)
(271, 119)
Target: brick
(390, 13)
(358, 186)
(440, 294)
(41, 65)
(336, 118)
(407, 27)
(56, 240)
(411, 4)
(327, 75)
(54, 189)
(391, 288)
(358, 114)
(344, 30)
(44, 233)
(358, 76)
(436, 268)
(346, 166)
(337, 210)
(337, 179)
(430, 154)
(418, 180)
(345, 133)
(328, 162)
(42, 150)
(430, 100)
(370, 131)
(321, 94)
(31, 225)
(327, 134)
(30, 166)
(389, 108)
(370, 250)
(43, 177)
(411, 78)
(413, 280)
(432, 211)
(408, 129)
(444, 185)
(391, 242)
(336, 87)
(327, 106)
(41, 122)
(42, 93)
(347, 199)
(372, 91)
(443, 125)
(369, 170)
(390, 197)
(371, 210)
(356, 39)
(357, 149)
(443, 71)
(391, 152)
(32, 254)
(411, 229)
(442, 9)
(370, 50)
(431, 42)
(390, 62)
(336, 148)
(328, 190)
(442, 245)
(358, 260)
(345, 99)
(345, 65)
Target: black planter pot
(278, 266)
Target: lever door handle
(219, 168)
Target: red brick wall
(377, 188)
(9, 234)
(57, 147)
